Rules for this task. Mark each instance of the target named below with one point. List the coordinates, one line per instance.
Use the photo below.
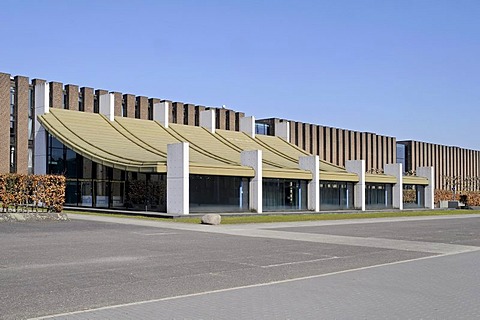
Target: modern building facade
(336, 145)
(123, 151)
(17, 101)
(455, 168)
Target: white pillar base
(429, 173)
(107, 105)
(253, 159)
(207, 120)
(42, 106)
(358, 167)
(160, 113)
(312, 164)
(282, 130)
(178, 174)
(395, 169)
(247, 125)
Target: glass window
(71, 163)
(262, 128)
(81, 106)
(137, 110)
(124, 108)
(12, 159)
(95, 104)
(12, 110)
(284, 194)
(336, 195)
(413, 196)
(31, 102)
(86, 189)
(378, 196)
(30, 129)
(30, 161)
(12, 96)
(218, 194)
(185, 114)
(65, 100)
(401, 155)
(71, 192)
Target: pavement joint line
(394, 244)
(269, 225)
(155, 233)
(407, 245)
(297, 262)
(243, 287)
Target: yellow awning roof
(141, 145)
(415, 180)
(379, 178)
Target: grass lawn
(293, 217)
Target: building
(17, 98)
(455, 168)
(337, 145)
(122, 151)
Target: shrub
(473, 197)
(25, 192)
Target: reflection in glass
(336, 195)
(378, 196)
(284, 194)
(218, 194)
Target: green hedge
(20, 192)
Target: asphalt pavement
(103, 267)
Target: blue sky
(408, 69)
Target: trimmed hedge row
(473, 197)
(21, 192)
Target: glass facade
(137, 110)
(90, 184)
(378, 196)
(96, 104)
(124, 108)
(335, 195)
(262, 128)
(13, 155)
(284, 194)
(401, 156)
(81, 106)
(31, 112)
(218, 194)
(413, 196)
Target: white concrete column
(358, 167)
(178, 201)
(160, 113)
(429, 173)
(282, 130)
(395, 169)
(106, 105)
(312, 164)
(42, 106)
(247, 125)
(253, 159)
(207, 120)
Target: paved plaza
(110, 268)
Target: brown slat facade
(4, 123)
(22, 88)
(337, 145)
(84, 99)
(449, 163)
(331, 144)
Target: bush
(473, 197)
(30, 192)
